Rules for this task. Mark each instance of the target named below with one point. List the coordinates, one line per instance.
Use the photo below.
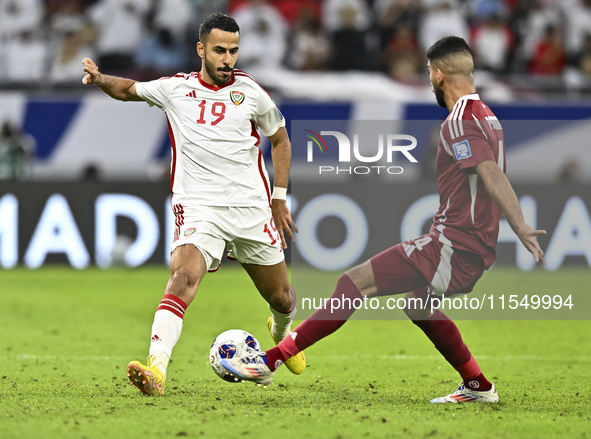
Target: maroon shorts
(426, 265)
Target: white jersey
(214, 138)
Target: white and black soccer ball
(230, 344)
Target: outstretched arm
(281, 154)
(498, 186)
(118, 88)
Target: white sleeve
(155, 92)
(268, 117)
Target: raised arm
(281, 153)
(498, 186)
(118, 88)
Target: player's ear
(440, 76)
(200, 49)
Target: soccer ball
(230, 344)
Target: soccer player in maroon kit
(460, 246)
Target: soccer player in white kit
(221, 194)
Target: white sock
(282, 320)
(166, 330)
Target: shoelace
(253, 359)
(461, 387)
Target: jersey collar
(471, 96)
(212, 87)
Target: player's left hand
(528, 236)
(283, 221)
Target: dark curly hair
(217, 21)
(447, 46)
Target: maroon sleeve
(471, 147)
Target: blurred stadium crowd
(528, 43)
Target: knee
(362, 278)
(183, 279)
(345, 280)
(415, 315)
(414, 310)
(281, 298)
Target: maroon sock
(323, 322)
(478, 383)
(446, 337)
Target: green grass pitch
(67, 336)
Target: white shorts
(248, 232)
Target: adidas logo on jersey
(191, 94)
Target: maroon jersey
(468, 218)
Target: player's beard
(439, 95)
(212, 71)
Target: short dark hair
(217, 21)
(447, 46)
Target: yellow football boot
(295, 364)
(148, 379)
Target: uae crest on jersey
(237, 97)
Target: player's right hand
(91, 70)
(283, 221)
